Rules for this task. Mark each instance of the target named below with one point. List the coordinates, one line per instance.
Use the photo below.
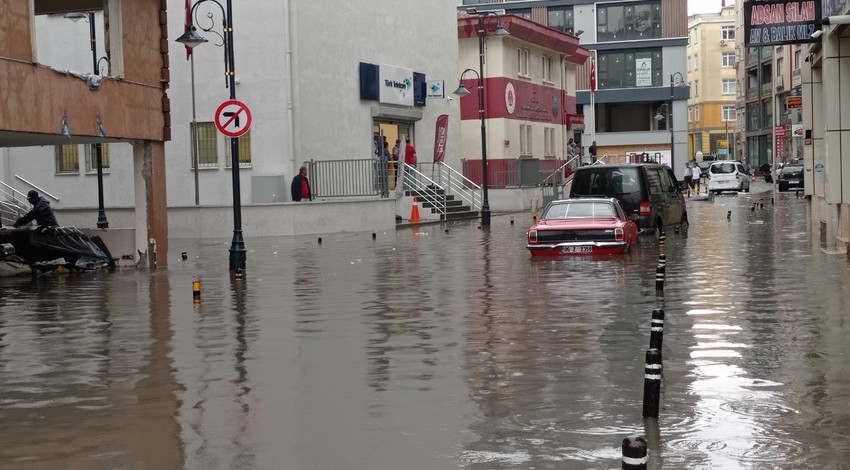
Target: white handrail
(40, 191)
(412, 180)
(464, 187)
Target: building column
(151, 203)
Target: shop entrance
(390, 131)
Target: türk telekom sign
(772, 22)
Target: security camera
(817, 34)
(449, 97)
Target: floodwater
(438, 347)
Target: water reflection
(440, 347)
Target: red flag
(441, 134)
(592, 74)
(187, 25)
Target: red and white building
(529, 89)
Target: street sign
(780, 130)
(233, 118)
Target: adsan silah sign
(772, 22)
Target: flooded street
(438, 347)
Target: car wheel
(684, 225)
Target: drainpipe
(292, 65)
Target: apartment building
(639, 49)
(713, 82)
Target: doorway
(391, 131)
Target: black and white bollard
(662, 261)
(652, 383)
(659, 278)
(728, 215)
(635, 455)
(662, 240)
(656, 329)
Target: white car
(728, 176)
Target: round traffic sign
(233, 118)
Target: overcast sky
(706, 6)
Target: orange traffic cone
(754, 176)
(414, 211)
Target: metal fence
(350, 178)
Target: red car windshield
(580, 210)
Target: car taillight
(618, 234)
(532, 236)
(782, 176)
(644, 208)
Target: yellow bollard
(196, 290)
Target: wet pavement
(438, 347)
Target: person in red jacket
(410, 153)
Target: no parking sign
(233, 118)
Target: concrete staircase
(452, 209)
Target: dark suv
(649, 193)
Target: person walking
(687, 176)
(301, 186)
(592, 151)
(696, 175)
(41, 212)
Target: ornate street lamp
(192, 38)
(462, 91)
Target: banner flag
(441, 134)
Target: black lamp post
(102, 222)
(669, 106)
(461, 91)
(192, 38)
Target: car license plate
(576, 249)
(793, 181)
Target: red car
(585, 226)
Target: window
(690, 64)
(753, 116)
(549, 141)
(634, 68)
(690, 114)
(207, 145)
(696, 87)
(727, 33)
(67, 159)
(521, 13)
(796, 60)
(91, 157)
(696, 113)
(522, 62)
(728, 113)
(524, 139)
(696, 61)
(628, 22)
(727, 59)
(244, 150)
(561, 18)
(729, 86)
(547, 69)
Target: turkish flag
(186, 26)
(592, 74)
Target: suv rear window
(722, 168)
(606, 181)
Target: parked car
(707, 160)
(587, 226)
(648, 193)
(728, 176)
(791, 176)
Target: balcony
(766, 88)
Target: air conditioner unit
(722, 42)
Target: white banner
(396, 85)
(643, 72)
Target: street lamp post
(102, 222)
(192, 38)
(499, 32)
(669, 106)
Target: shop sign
(777, 22)
(395, 85)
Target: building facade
(826, 129)
(529, 88)
(713, 82)
(61, 98)
(639, 51)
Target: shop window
(633, 21)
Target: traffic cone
(414, 211)
(754, 176)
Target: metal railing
(426, 189)
(10, 208)
(349, 178)
(454, 183)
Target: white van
(728, 176)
